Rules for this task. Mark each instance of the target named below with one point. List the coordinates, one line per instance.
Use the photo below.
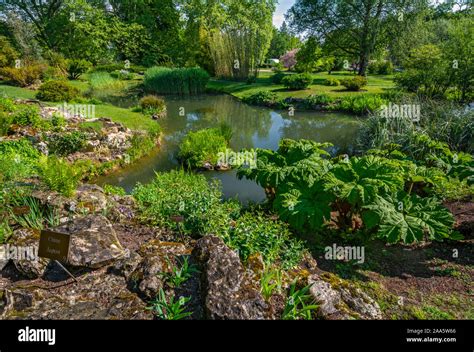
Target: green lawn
(127, 117)
(377, 85)
(16, 92)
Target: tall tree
(355, 27)
(40, 13)
(239, 35)
(282, 42)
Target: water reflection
(253, 127)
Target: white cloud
(282, 7)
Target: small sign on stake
(55, 246)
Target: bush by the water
(297, 82)
(360, 104)
(262, 98)
(180, 81)
(201, 147)
(151, 104)
(57, 91)
(355, 84)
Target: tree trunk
(363, 64)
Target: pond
(253, 127)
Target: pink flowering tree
(289, 59)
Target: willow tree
(240, 33)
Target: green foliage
(277, 78)
(37, 216)
(409, 219)
(151, 104)
(257, 234)
(184, 202)
(381, 68)
(239, 35)
(169, 309)
(141, 145)
(7, 105)
(59, 176)
(442, 122)
(332, 82)
(297, 82)
(181, 81)
(24, 76)
(300, 305)
(27, 115)
(58, 121)
(311, 192)
(77, 67)
(360, 104)
(101, 82)
(355, 84)
(314, 101)
(262, 98)
(271, 283)
(21, 147)
(118, 67)
(180, 275)
(309, 57)
(201, 147)
(114, 191)
(6, 121)
(57, 91)
(5, 232)
(123, 75)
(15, 167)
(8, 54)
(67, 143)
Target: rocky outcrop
(340, 300)
(25, 243)
(94, 243)
(229, 294)
(158, 258)
(95, 296)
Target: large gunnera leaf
(409, 219)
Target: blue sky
(283, 6)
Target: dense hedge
(181, 81)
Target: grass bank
(376, 85)
(127, 117)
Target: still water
(253, 127)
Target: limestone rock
(228, 293)
(26, 243)
(339, 300)
(96, 296)
(94, 243)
